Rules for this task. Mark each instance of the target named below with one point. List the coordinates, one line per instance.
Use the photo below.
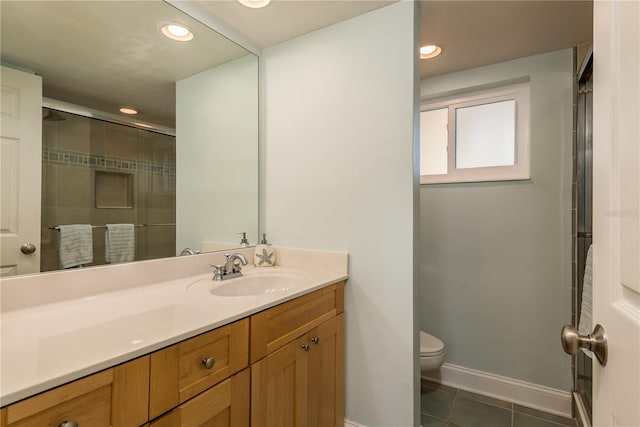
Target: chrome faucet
(188, 251)
(232, 268)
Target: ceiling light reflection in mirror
(101, 54)
(176, 31)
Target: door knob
(28, 248)
(572, 342)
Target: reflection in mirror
(97, 172)
(183, 170)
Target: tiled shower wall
(73, 150)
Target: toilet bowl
(431, 352)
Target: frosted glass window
(433, 141)
(485, 135)
(476, 136)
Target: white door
(616, 204)
(21, 171)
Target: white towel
(586, 308)
(119, 243)
(75, 245)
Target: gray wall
(338, 175)
(495, 267)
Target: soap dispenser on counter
(244, 243)
(264, 255)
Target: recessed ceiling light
(176, 31)
(430, 51)
(255, 4)
(127, 110)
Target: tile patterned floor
(443, 406)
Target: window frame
(520, 170)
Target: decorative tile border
(54, 156)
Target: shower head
(51, 115)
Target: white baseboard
(534, 396)
(349, 423)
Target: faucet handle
(234, 263)
(218, 272)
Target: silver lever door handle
(572, 342)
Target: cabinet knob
(315, 340)
(305, 347)
(68, 424)
(208, 362)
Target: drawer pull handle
(208, 362)
(315, 340)
(305, 347)
(68, 424)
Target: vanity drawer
(115, 397)
(277, 326)
(224, 405)
(183, 370)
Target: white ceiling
(476, 33)
(471, 33)
(69, 43)
(286, 19)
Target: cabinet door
(115, 397)
(326, 374)
(279, 387)
(225, 405)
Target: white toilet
(431, 352)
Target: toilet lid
(430, 344)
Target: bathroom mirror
(184, 169)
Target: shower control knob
(596, 342)
(28, 248)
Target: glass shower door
(583, 235)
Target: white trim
(349, 423)
(581, 412)
(534, 396)
(520, 170)
(92, 113)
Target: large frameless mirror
(183, 170)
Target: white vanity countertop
(52, 344)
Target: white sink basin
(257, 283)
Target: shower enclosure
(100, 172)
(582, 232)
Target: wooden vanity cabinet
(300, 382)
(296, 377)
(116, 397)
